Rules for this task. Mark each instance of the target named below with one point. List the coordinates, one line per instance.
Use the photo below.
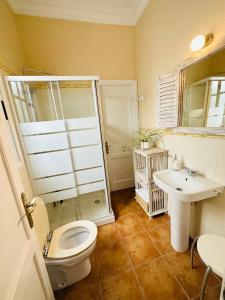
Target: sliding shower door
(60, 128)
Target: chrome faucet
(191, 172)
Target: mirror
(203, 101)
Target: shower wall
(61, 134)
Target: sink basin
(184, 189)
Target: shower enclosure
(60, 133)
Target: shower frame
(98, 113)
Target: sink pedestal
(180, 224)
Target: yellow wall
(64, 48)
(11, 54)
(11, 57)
(163, 35)
(78, 48)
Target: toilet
(67, 249)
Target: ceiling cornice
(88, 11)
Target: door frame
(133, 84)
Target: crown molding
(87, 11)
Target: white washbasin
(186, 188)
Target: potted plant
(147, 139)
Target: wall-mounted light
(201, 41)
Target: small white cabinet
(150, 197)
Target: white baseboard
(122, 184)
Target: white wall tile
(206, 155)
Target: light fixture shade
(198, 43)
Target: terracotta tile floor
(133, 259)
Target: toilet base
(64, 275)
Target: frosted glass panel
(84, 137)
(52, 184)
(50, 164)
(90, 175)
(42, 127)
(91, 187)
(46, 142)
(87, 157)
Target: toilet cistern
(182, 192)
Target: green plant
(152, 136)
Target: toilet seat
(72, 239)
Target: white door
(120, 122)
(23, 275)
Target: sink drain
(179, 189)
(97, 201)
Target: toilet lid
(72, 239)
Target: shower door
(60, 128)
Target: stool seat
(211, 249)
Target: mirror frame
(201, 55)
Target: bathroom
(126, 45)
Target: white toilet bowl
(68, 251)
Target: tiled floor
(133, 260)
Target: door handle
(106, 147)
(28, 206)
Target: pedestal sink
(184, 189)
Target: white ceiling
(123, 12)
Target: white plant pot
(145, 145)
